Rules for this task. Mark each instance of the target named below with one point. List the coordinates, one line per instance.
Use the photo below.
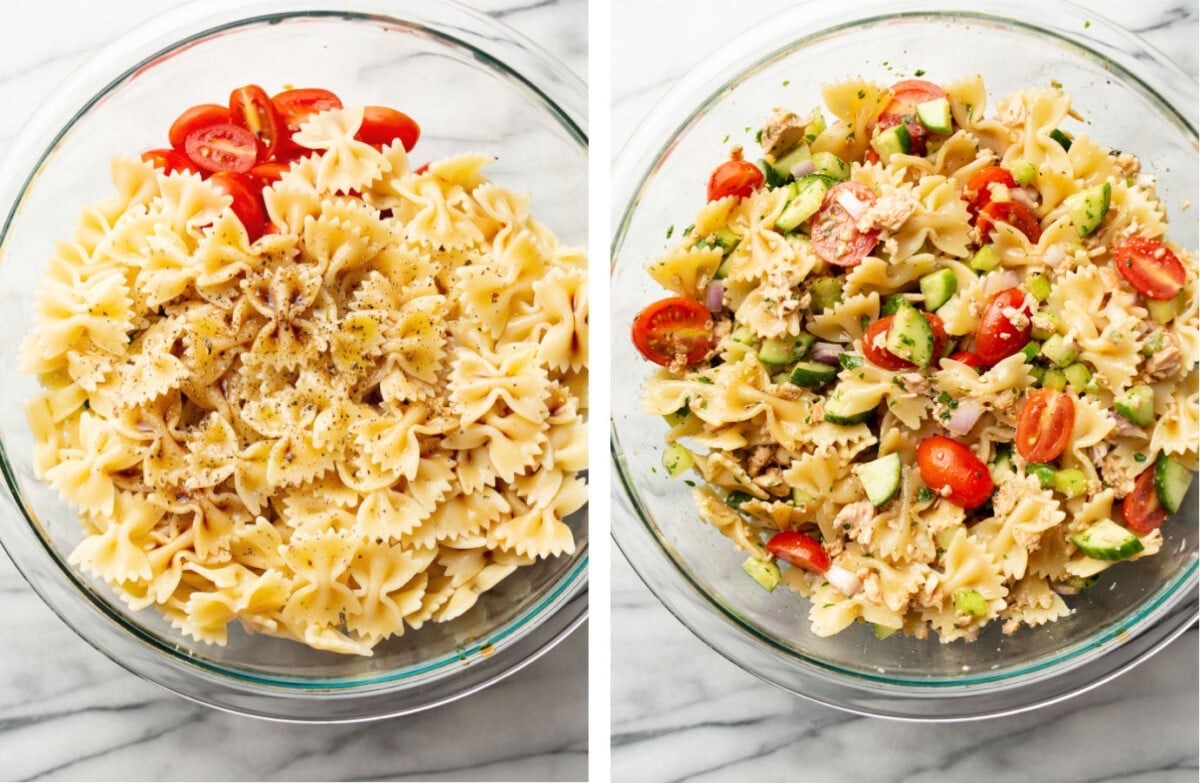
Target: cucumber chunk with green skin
(826, 292)
(743, 335)
(882, 631)
(937, 288)
(935, 115)
(893, 141)
(1038, 373)
(1153, 343)
(812, 374)
(880, 478)
(677, 418)
(1038, 286)
(1171, 481)
(1070, 483)
(985, 259)
(1045, 324)
(831, 165)
(1060, 350)
(1087, 208)
(970, 601)
(1045, 473)
(1106, 540)
(723, 270)
(677, 459)
(839, 412)
(891, 304)
(1024, 172)
(783, 167)
(785, 351)
(1054, 379)
(1063, 139)
(766, 573)
(1031, 350)
(736, 498)
(1079, 377)
(773, 177)
(808, 193)
(910, 337)
(1137, 405)
(1164, 310)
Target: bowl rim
(551, 616)
(635, 533)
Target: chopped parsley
(1139, 457)
(919, 72)
(862, 94)
(670, 230)
(687, 231)
(924, 495)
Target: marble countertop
(68, 713)
(681, 712)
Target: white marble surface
(682, 712)
(68, 713)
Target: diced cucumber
(676, 418)
(1171, 481)
(800, 497)
(945, 536)
(1063, 139)
(1081, 582)
(1037, 372)
(910, 337)
(786, 350)
(1031, 350)
(850, 361)
(892, 141)
(938, 287)
(1070, 483)
(725, 239)
(883, 631)
(723, 270)
(826, 292)
(880, 478)
(736, 498)
(812, 374)
(765, 572)
(816, 127)
(1087, 208)
(831, 165)
(677, 459)
(970, 601)
(935, 115)
(1106, 540)
(1054, 379)
(773, 177)
(1060, 350)
(1137, 405)
(1045, 473)
(1052, 323)
(1153, 343)
(839, 412)
(1024, 172)
(1164, 310)
(1079, 377)
(743, 335)
(1038, 286)
(783, 167)
(807, 195)
(985, 259)
(891, 304)
(1002, 467)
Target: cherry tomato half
(978, 191)
(968, 358)
(799, 549)
(267, 174)
(251, 108)
(953, 471)
(293, 108)
(1150, 267)
(835, 234)
(247, 200)
(737, 178)
(1141, 508)
(877, 354)
(225, 147)
(1045, 426)
(1013, 213)
(170, 161)
(674, 327)
(196, 117)
(381, 126)
(997, 336)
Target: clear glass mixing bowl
(474, 85)
(1134, 99)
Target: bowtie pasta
(358, 422)
(937, 361)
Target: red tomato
(882, 357)
(906, 94)
(1150, 267)
(196, 117)
(978, 193)
(737, 178)
(422, 169)
(952, 471)
(293, 108)
(267, 174)
(835, 234)
(998, 337)
(170, 161)
(225, 147)
(247, 200)
(673, 327)
(250, 108)
(1044, 429)
(381, 126)
(799, 549)
(968, 358)
(1013, 213)
(1141, 508)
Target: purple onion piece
(851, 204)
(803, 169)
(714, 297)
(825, 353)
(965, 417)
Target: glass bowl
(1134, 99)
(474, 85)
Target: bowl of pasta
(914, 425)
(294, 411)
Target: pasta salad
(934, 364)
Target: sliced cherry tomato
(1013, 213)
(1045, 426)
(835, 234)
(952, 471)
(674, 327)
(978, 191)
(998, 337)
(381, 126)
(902, 109)
(910, 92)
(873, 342)
(799, 549)
(1141, 508)
(225, 147)
(1150, 267)
(267, 174)
(422, 169)
(247, 200)
(170, 161)
(251, 108)
(737, 178)
(968, 358)
(196, 117)
(294, 107)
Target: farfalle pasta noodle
(357, 423)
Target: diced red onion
(803, 169)
(852, 205)
(714, 297)
(964, 418)
(843, 580)
(826, 353)
(1001, 281)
